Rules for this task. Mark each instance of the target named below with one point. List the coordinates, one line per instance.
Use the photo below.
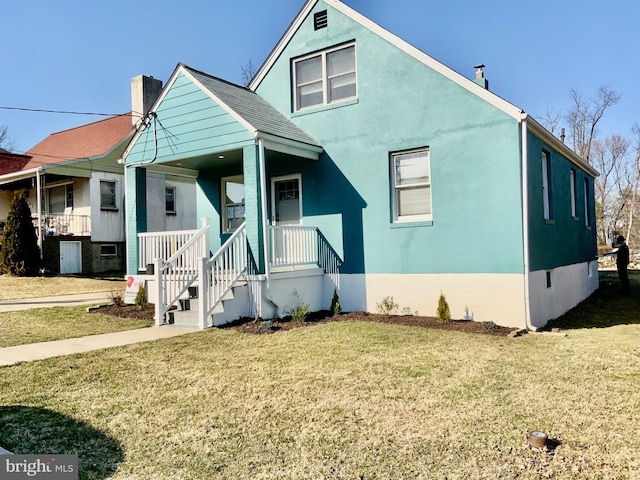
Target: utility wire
(69, 112)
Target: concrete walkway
(39, 351)
(57, 301)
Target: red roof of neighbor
(90, 140)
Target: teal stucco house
(354, 161)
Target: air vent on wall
(320, 20)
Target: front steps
(234, 305)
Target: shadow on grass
(606, 307)
(32, 431)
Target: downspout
(39, 206)
(525, 221)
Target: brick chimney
(144, 92)
(480, 80)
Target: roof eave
(536, 128)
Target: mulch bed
(249, 325)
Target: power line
(22, 109)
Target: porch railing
(152, 245)
(223, 270)
(180, 271)
(293, 245)
(59, 224)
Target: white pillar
(159, 292)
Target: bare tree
(6, 143)
(248, 72)
(585, 114)
(633, 181)
(609, 157)
(551, 119)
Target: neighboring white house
(74, 184)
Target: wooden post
(159, 292)
(203, 294)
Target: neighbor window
(108, 250)
(60, 198)
(232, 203)
(326, 77)
(411, 185)
(572, 187)
(546, 184)
(108, 195)
(170, 199)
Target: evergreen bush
(336, 309)
(443, 312)
(20, 254)
(141, 298)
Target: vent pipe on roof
(144, 92)
(562, 135)
(480, 80)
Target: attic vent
(320, 20)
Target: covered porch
(251, 164)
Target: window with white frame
(170, 200)
(572, 187)
(411, 185)
(546, 184)
(232, 203)
(60, 198)
(325, 77)
(587, 204)
(108, 195)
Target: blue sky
(80, 55)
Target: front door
(70, 257)
(286, 211)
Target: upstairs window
(325, 77)
(572, 187)
(587, 204)
(546, 184)
(108, 195)
(411, 186)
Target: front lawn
(13, 288)
(57, 323)
(339, 400)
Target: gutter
(525, 221)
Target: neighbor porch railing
(59, 224)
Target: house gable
(403, 104)
(186, 123)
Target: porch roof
(251, 108)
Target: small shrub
(116, 297)
(489, 325)
(443, 313)
(266, 325)
(336, 309)
(141, 298)
(387, 306)
(299, 313)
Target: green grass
(12, 288)
(57, 323)
(340, 400)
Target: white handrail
(154, 245)
(179, 272)
(223, 270)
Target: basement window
(549, 276)
(108, 250)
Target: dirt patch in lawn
(126, 311)
(249, 325)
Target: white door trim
(294, 176)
